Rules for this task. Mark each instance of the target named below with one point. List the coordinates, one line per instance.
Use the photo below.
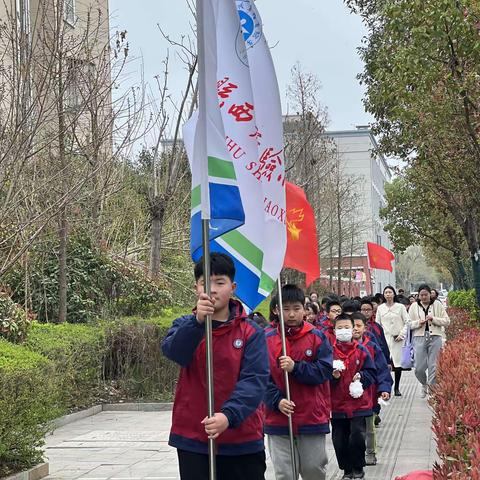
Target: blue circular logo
(238, 343)
(308, 352)
(250, 29)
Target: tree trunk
(62, 266)
(157, 213)
(476, 276)
(460, 273)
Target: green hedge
(28, 402)
(463, 299)
(65, 367)
(77, 352)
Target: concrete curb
(35, 473)
(111, 407)
(73, 417)
(137, 407)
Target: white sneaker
(424, 391)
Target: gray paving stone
(132, 445)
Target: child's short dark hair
(313, 306)
(330, 304)
(343, 316)
(351, 306)
(272, 316)
(359, 316)
(366, 301)
(292, 294)
(220, 264)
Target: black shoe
(397, 393)
(347, 476)
(358, 474)
(377, 420)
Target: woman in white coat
(394, 319)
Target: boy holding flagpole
(309, 363)
(240, 377)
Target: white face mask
(344, 334)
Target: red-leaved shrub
(461, 319)
(455, 401)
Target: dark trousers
(194, 466)
(348, 436)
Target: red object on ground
(379, 257)
(418, 475)
(302, 247)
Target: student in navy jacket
(383, 384)
(240, 378)
(309, 363)
(354, 372)
(372, 326)
(333, 309)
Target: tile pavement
(133, 445)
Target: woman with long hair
(394, 319)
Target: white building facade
(356, 149)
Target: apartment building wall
(357, 153)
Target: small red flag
(302, 248)
(380, 257)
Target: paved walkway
(133, 445)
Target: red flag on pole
(302, 248)
(379, 257)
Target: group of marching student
(338, 365)
(339, 368)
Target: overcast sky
(321, 34)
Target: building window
(79, 76)
(69, 11)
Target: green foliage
(77, 353)
(99, 285)
(463, 299)
(66, 367)
(28, 402)
(14, 321)
(422, 64)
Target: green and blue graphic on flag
(235, 147)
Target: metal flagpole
(287, 384)
(208, 341)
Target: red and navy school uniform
(309, 381)
(377, 330)
(357, 359)
(322, 317)
(383, 381)
(328, 329)
(240, 366)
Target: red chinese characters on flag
(256, 135)
(269, 161)
(225, 89)
(241, 113)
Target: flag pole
(205, 202)
(287, 383)
(208, 342)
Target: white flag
(247, 114)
